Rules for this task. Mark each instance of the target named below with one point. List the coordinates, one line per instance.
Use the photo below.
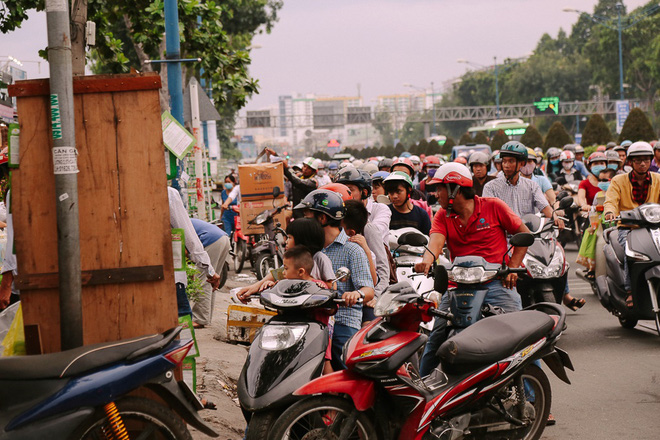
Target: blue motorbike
(84, 393)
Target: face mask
(596, 169)
(613, 166)
(229, 185)
(567, 165)
(527, 169)
(603, 185)
(554, 161)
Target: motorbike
(487, 385)
(288, 350)
(545, 261)
(83, 393)
(268, 251)
(642, 249)
(576, 221)
(240, 242)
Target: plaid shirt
(640, 190)
(343, 253)
(523, 198)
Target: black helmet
(514, 149)
(385, 163)
(325, 201)
(360, 178)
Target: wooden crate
(244, 321)
(126, 252)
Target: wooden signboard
(125, 246)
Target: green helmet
(514, 149)
(399, 176)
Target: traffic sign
(547, 104)
(622, 110)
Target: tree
(557, 137)
(481, 138)
(595, 132)
(432, 148)
(400, 148)
(448, 145)
(422, 146)
(532, 138)
(498, 140)
(465, 139)
(637, 127)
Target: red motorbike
(487, 386)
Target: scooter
(642, 250)
(288, 350)
(268, 251)
(487, 386)
(83, 393)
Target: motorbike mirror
(342, 274)
(276, 192)
(440, 279)
(412, 239)
(566, 202)
(382, 198)
(555, 186)
(522, 239)
(562, 195)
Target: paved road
(615, 391)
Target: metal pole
(174, 81)
(433, 133)
(65, 166)
(618, 8)
(497, 91)
(199, 161)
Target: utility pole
(65, 169)
(78, 26)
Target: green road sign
(547, 104)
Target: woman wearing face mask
(553, 165)
(588, 188)
(568, 173)
(229, 194)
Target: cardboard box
(258, 180)
(249, 210)
(244, 321)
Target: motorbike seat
(493, 339)
(619, 250)
(73, 362)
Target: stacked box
(258, 180)
(251, 209)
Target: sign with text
(622, 110)
(547, 104)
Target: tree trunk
(78, 24)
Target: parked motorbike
(83, 393)
(268, 251)
(289, 350)
(643, 253)
(487, 386)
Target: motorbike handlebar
(441, 314)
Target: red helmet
(452, 173)
(405, 162)
(461, 159)
(340, 189)
(601, 148)
(596, 156)
(432, 161)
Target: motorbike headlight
(556, 266)
(535, 269)
(280, 337)
(470, 275)
(387, 305)
(261, 218)
(651, 213)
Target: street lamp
(433, 133)
(622, 22)
(497, 91)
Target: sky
(334, 47)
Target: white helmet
(452, 172)
(370, 167)
(415, 159)
(640, 148)
(358, 163)
(479, 157)
(310, 162)
(318, 164)
(566, 155)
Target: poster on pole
(622, 110)
(175, 137)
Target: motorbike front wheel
(143, 418)
(260, 424)
(263, 264)
(323, 417)
(240, 255)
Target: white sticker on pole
(56, 6)
(64, 160)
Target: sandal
(576, 303)
(207, 404)
(551, 420)
(629, 302)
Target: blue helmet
(379, 176)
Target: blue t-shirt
(543, 182)
(207, 233)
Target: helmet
(619, 148)
(325, 201)
(596, 157)
(531, 154)
(399, 176)
(567, 155)
(625, 144)
(495, 157)
(406, 154)
(340, 189)
(385, 163)
(359, 178)
(345, 164)
(452, 173)
(379, 176)
(370, 167)
(311, 162)
(538, 151)
(602, 148)
(333, 166)
(579, 149)
(415, 159)
(479, 157)
(612, 156)
(432, 161)
(514, 149)
(358, 163)
(640, 148)
(318, 164)
(610, 145)
(405, 162)
(461, 159)
(553, 152)
(656, 145)
(569, 147)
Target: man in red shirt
(470, 225)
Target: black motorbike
(288, 351)
(268, 251)
(576, 223)
(642, 250)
